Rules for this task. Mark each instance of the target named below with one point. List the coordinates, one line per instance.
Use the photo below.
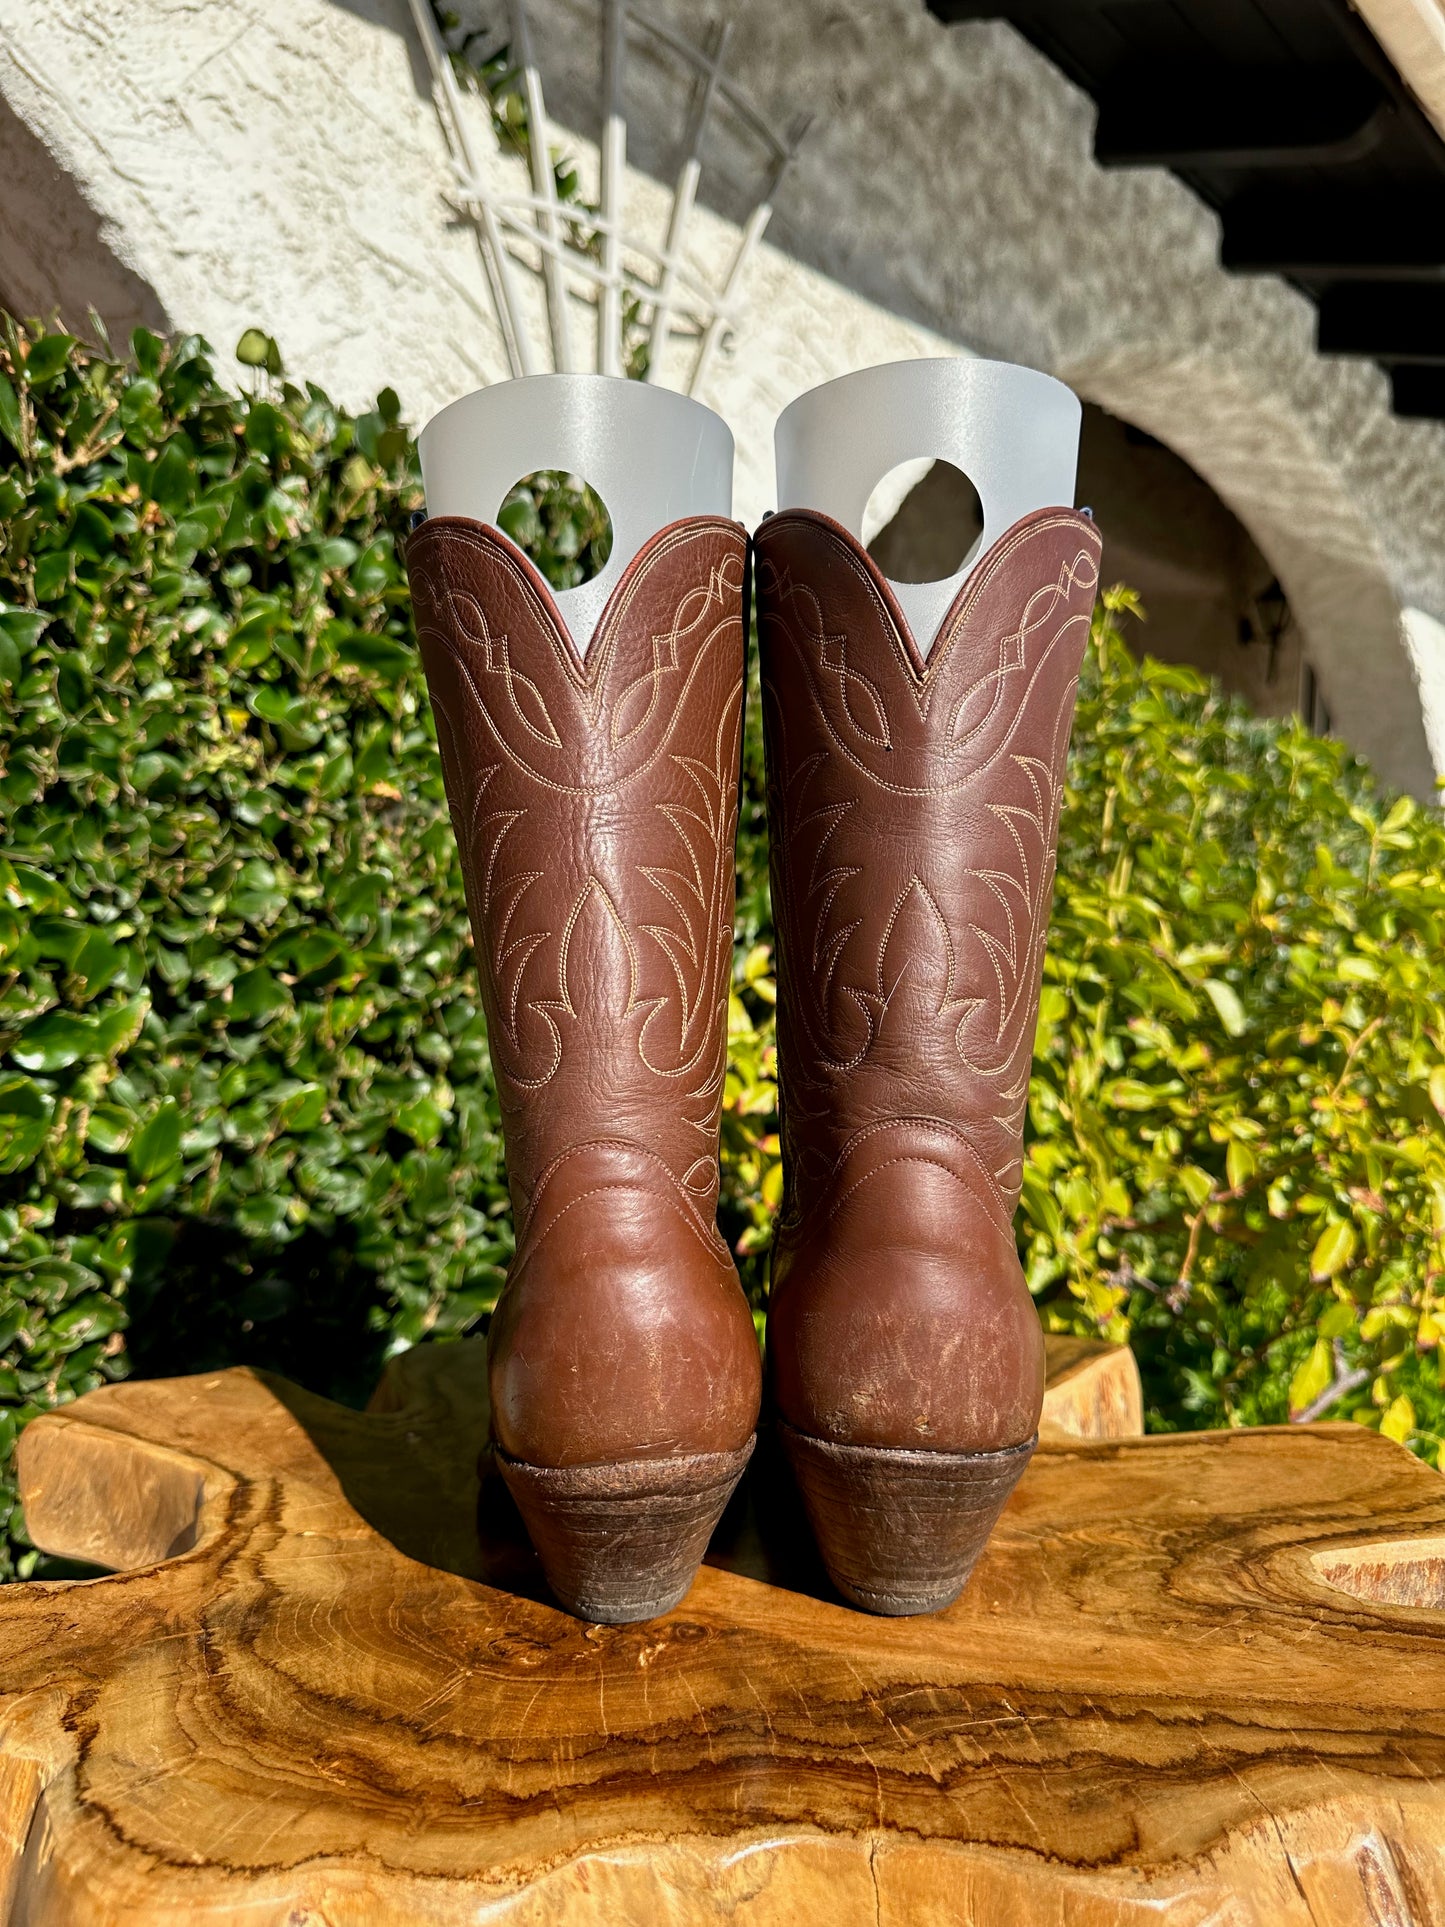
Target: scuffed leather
(595, 808)
(913, 810)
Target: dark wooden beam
(1382, 234)
(1203, 116)
(1387, 320)
(1419, 393)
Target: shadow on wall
(1211, 598)
(55, 256)
(394, 16)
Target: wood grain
(1093, 1392)
(1186, 1686)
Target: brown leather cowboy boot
(595, 802)
(913, 809)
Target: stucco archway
(1265, 466)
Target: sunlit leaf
(1333, 1250)
(1398, 1420)
(1225, 1000)
(1311, 1376)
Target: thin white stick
(684, 194)
(614, 170)
(546, 188)
(494, 255)
(513, 213)
(751, 235)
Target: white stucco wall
(278, 162)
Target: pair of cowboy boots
(913, 808)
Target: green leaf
(24, 627)
(109, 1128)
(518, 518)
(306, 1109)
(10, 418)
(378, 655)
(256, 349)
(1130, 1094)
(156, 1148)
(1398, 1422)
(1229, 1009)
(22, 1097)
(256, 994)
(97, 963)
(263, 1217)
(46, 359)
(54, 1041)
(1053, 1009)
(1196, 1184)
(1312, 1377)
(53, 575)
(72, 684)
(149, 351)
(92, 534)
(94, 1316)
(116, 1030)
(316, 951)
(25, 1113)
(1359, 970)
(1334, 1248)
(1040, 1204)
(172, 480)
(422, 1120)
(1337, 1320)
(266, 430)
(1239, 1164)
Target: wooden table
(1194, 1680)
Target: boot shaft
(913, 812)
(595, 805)
(593, 790)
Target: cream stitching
(685, 659)
(816, 828)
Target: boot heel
(622, 1542)
(900, 1531)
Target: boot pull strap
(652, 455)
(1013, 431)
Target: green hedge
(1238, 1105)
(246, 1110)
(245, 1102)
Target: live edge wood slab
(1195, 1680)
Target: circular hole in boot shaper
(560, 523)
(923, 522)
